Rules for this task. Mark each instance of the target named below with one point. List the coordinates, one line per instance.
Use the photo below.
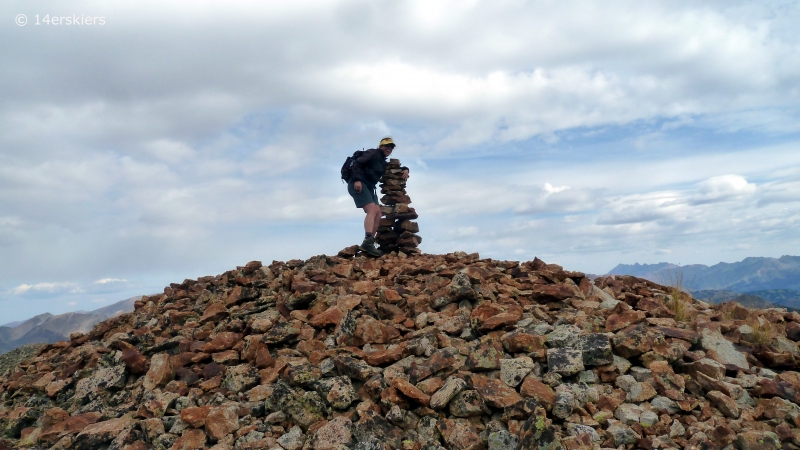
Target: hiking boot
(368, 246)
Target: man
(367, 172)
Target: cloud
(110, 280)
(722, 188)
(46, 288)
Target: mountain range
(48, 328)
(754, 281)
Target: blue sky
(181, 139)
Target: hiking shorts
(365, 197)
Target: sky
(161, 141)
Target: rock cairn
(413, 352)
(397, 232)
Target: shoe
(368, 246)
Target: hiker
(367, 171)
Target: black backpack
(347, 167)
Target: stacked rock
(397, 232)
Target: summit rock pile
(418, 352)
(396, 230)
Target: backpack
(347, 167)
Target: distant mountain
(47, 328)
(12, 324)
(748, 275)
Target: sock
(367, 235)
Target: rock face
(413, 352)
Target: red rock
(390, 295)
(383, 357)
(161, 371)
(214, 313)
(222, 341)
(545, 293)
(411, 391)
(624, 319)
(496, 393)
(238, 295)
(221, 421)
(724, 403)
(635, 340)
(372, 331)
(195, 416)
(97, 434)
(460, 435)
(331, 316)
(228, 357)
(364, 287)
(190, 440)
(333, 434)
(535, 389)
(135, 362)
(519, 342)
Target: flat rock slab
(565, 361)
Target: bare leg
(373, 218)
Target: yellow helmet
(387, 141)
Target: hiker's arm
(405, 172)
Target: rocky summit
(414, 352)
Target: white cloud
(110, 281)
(722, 188)
(47, 288)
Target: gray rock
(542, 329)
(107, 378)
(513, 371)
(648, 418)
(713, 340)
(178, 427)
(276, 417)
(426, 430)
(422, 346)
(327, 368)
(623, 435)
(605, 299)
(451, 388)
(588, 377)
(306, 409)
(337, 391)
(566, 361)
(621, 364)
(640, 373)
(746, 401)
(628, 413)
(625, 382)
(677, 429)
(293, 440)
(369, 443)
(402, 418)
(576, 429)
(468, 403)
(564, 405)
(596, 349)
(241, 378)
(563, 336)
(502, 440)
(664, 404)
(552, 379)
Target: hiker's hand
(357, 186)
(405, 175)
